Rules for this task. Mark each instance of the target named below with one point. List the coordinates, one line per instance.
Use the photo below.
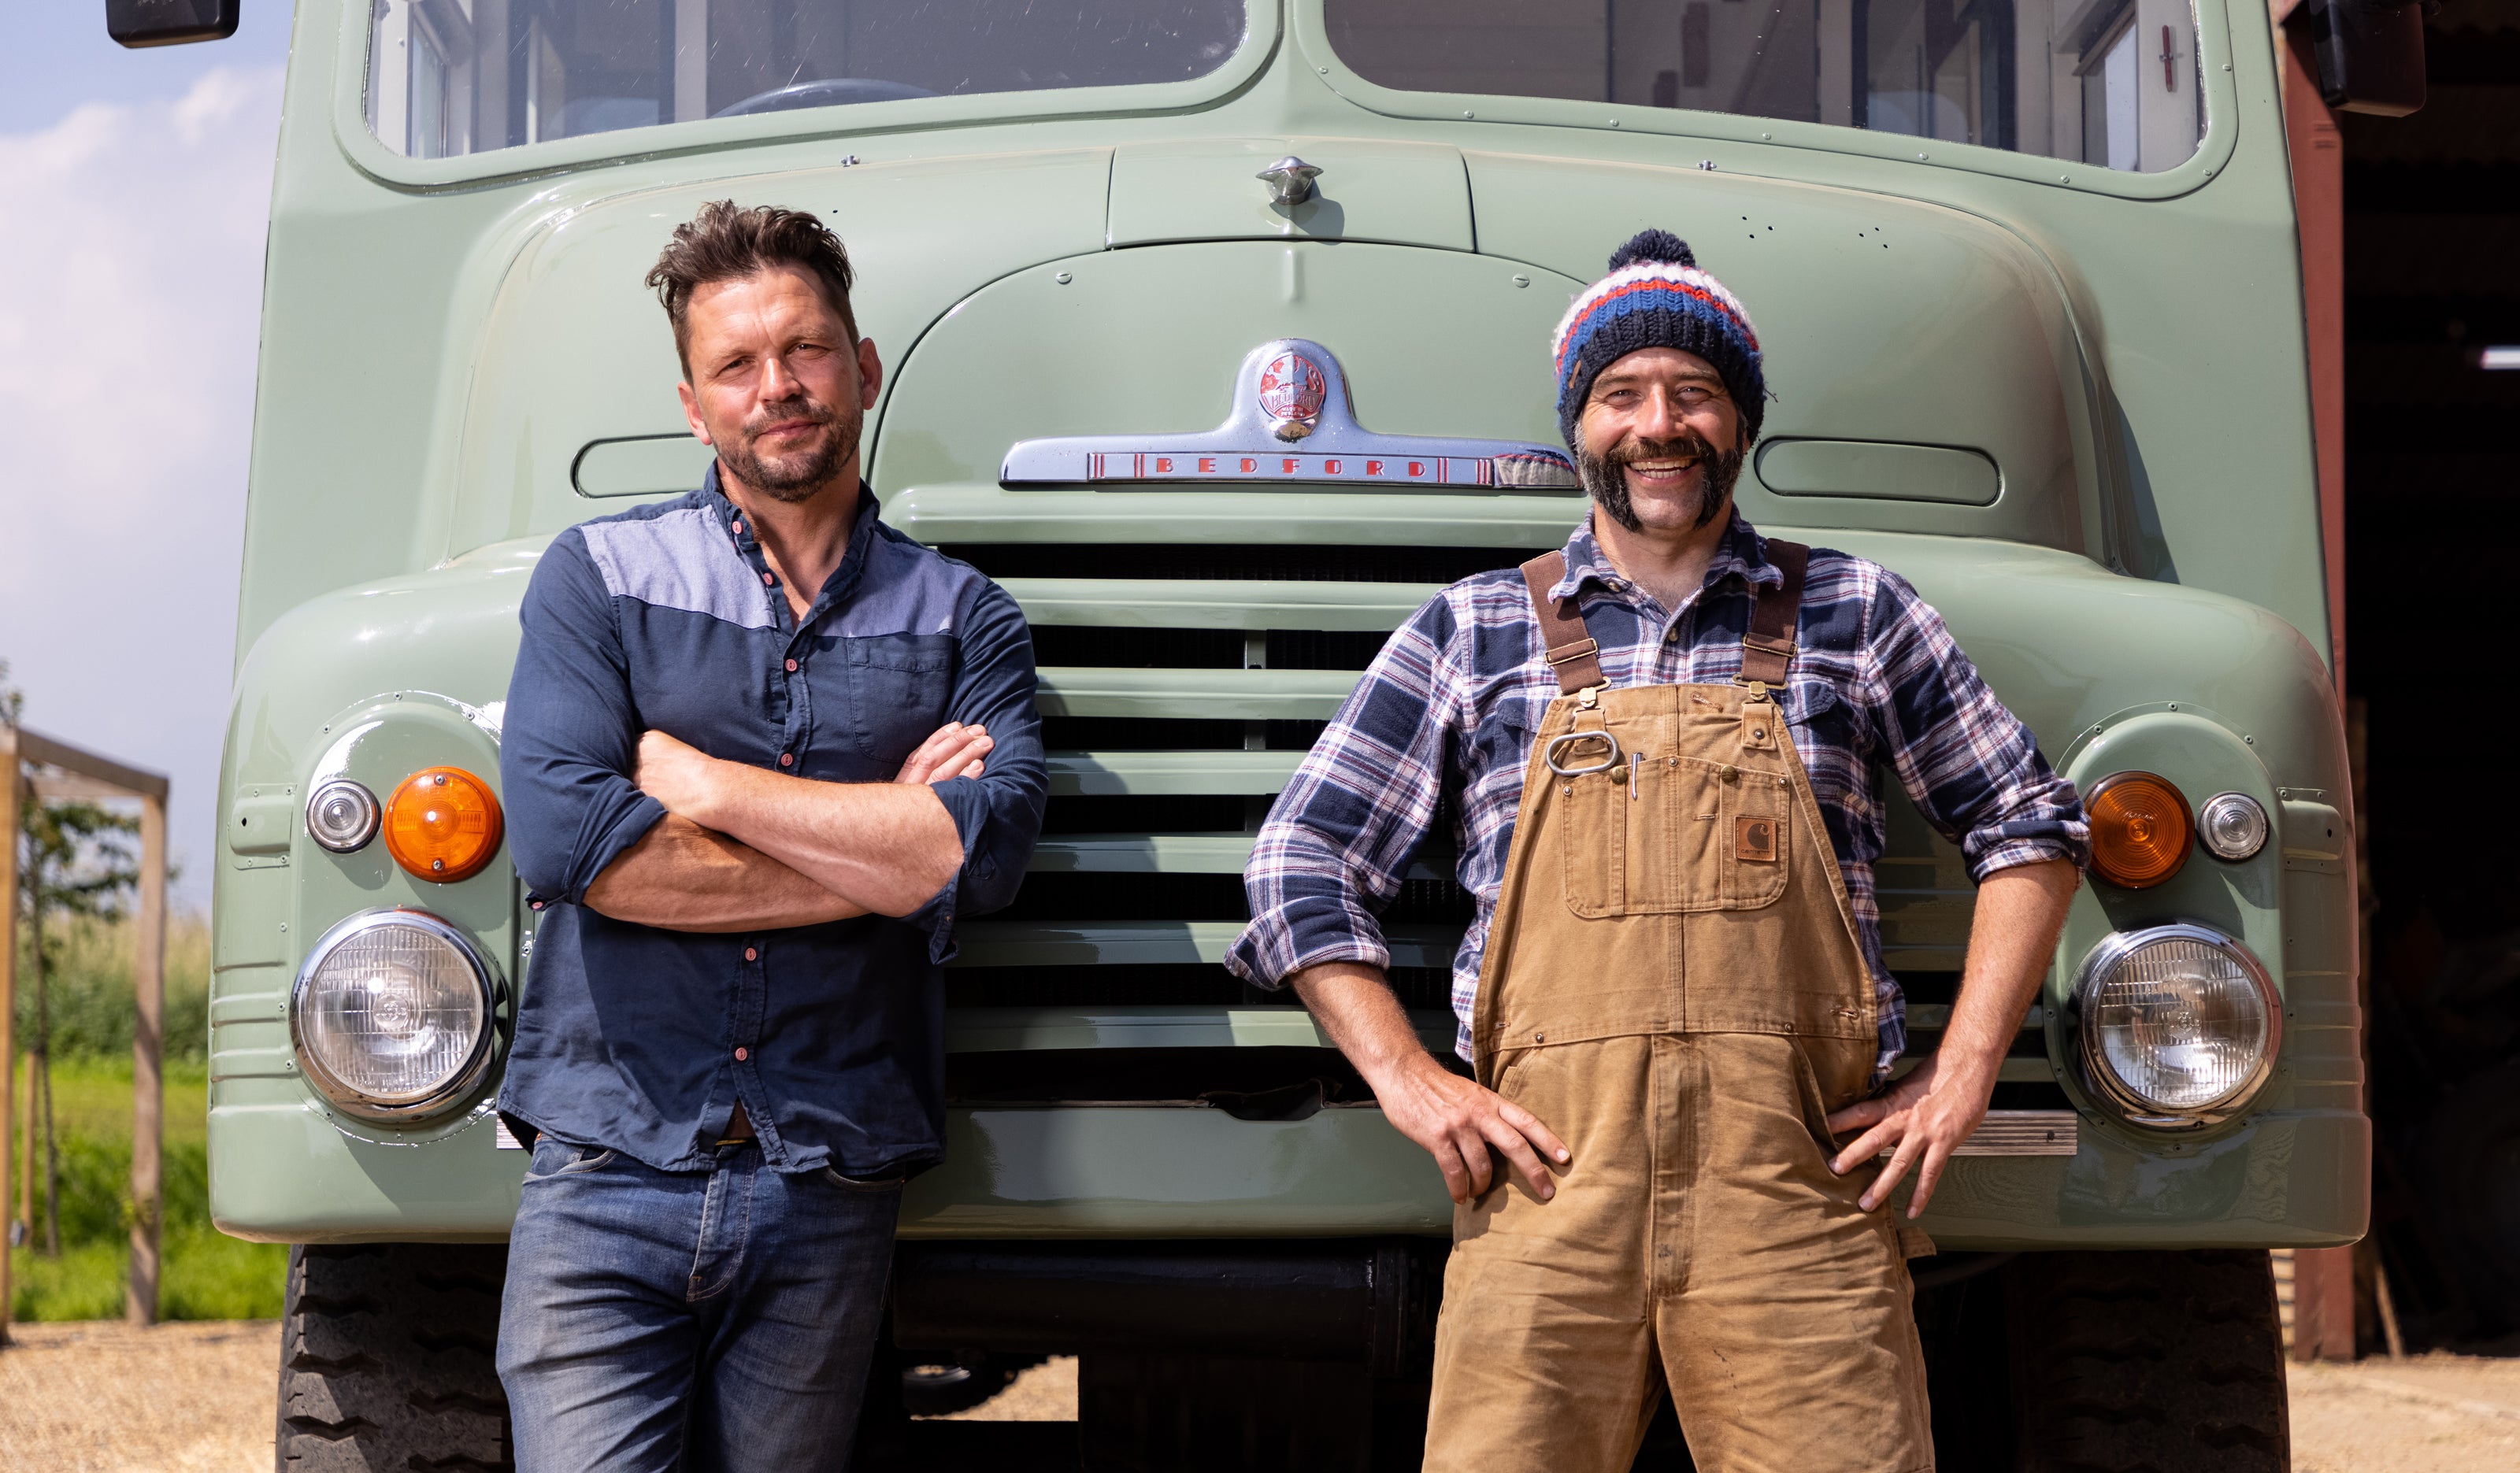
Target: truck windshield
(464, 76)
(2105, 82)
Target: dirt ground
(197, 1397)
(100, 1396)
(2415, 1416)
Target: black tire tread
(2148, 1363)
(387, 1360)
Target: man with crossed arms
(761, 752)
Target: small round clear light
(2231, 826)
(391, 1015)
(342, 816)
(2179, 1023)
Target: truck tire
(388, 1359)
(2148, 1363)
(941, 1388)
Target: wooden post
(82, 774)
(9, 788)
(2323, 1304)
(2322, 1277)
(147, 1060)
(2317, 154)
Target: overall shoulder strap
(1767, 647)
(1572, 653)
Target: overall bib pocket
(1657, 833)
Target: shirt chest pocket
(899, 687)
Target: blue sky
(134, 188)
(58, 57)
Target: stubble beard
(798, 475)
(1604, 477)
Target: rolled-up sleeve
(1973, 770)
(1339, 839)
(998, 814)
(569, 739)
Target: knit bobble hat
(1655, 297)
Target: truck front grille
(1182, 681)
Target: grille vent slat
(1081, 634)
(1286, 564)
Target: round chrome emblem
(1293, 387)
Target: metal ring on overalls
(1549, 753)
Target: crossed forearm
(884, 847)
(743, 848)
(682, 877)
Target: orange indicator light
(442, 823)
(2141, 830)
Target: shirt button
(792, 667)
(737, 524)
(740, 1054)
(786, 759)
(768, 580)
(751, 954)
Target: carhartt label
(1754, 838)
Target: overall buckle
(1549, 753)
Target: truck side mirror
(2370, 55)
(169, 23)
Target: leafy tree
(75, 858)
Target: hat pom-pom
(1652, 246)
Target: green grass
(204, 1274)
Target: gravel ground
(2423, 1414)
(182, 1397)
(1047, 1393)
(101, 1396)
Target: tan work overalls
(1672, 984)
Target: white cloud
(130, 289)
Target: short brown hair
(724, 243)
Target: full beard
(799, 474)
(1605, 479)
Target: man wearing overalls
(1659, 750)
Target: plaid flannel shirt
(1449, 707)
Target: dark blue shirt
(665, 616)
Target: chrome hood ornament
(1290, 180)
(1288, 392)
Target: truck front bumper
(2283, 1180)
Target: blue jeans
(690, 1320)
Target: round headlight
(391, 1015)
(2179, 1024)
(2231, 826)
(342, 816)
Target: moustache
(1687, 443)
(786, 412)
(1604, 478)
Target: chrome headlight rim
(459, 1086)
(2108, 1090)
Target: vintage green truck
(2028, 282)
